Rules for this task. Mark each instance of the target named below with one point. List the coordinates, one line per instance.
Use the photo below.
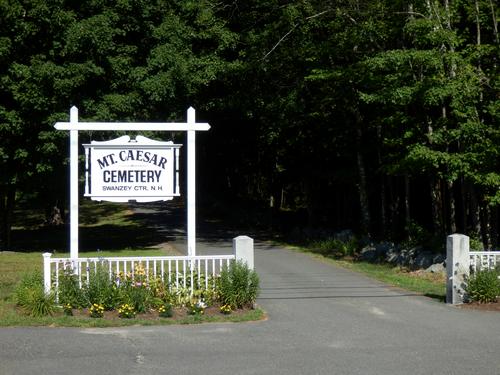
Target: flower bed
(143, 296)
(179, 314)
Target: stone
(407, 257)
(439, 258)
(423, 260)
(436, 268)
(392, 257)
(384, 247)
(369, 253)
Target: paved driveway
(322, 320)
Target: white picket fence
(461, 262)
(175, 271)
(480, 260)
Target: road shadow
(150, 224)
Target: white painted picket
(175, 271)
(480, 260)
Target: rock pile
(414, 258)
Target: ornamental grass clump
(483, 286)
(238, 285)
(101, 288)
(31, 297)
(69, 291)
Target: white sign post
(132, 178)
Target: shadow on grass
(103, 237)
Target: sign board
(143, 169)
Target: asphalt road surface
(321, 320)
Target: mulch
(492, 306)
(179, 314)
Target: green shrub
(196, 307)
(238, 286)
(70, 292)
(100, 288)
(126, 311)
(483, 286)
(31, 297)
(476, 244)
(137, 295)
(335, 246)
(96, 311)
(165, 311)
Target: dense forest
(379, 116)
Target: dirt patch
(492, 306)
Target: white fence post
(457, 267)
(73, 176)
(46, 272)
(191, 184)
(243, 250)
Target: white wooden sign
(190, 127)
(122, 169)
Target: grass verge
(10, 317)
(427, 284)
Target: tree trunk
(3, 197)
(494, 227)
(486, 228)
(383, 215)
(407, 201)
(436, 200)
(363, 194)
(475, 212)
(463, 203)
(452, 213)
(8, 203)
(393, 207)
(494, 19)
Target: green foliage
(69, 291)
(336, 246)
(31, 297)
(137, 295)
(165, 310)
(196, 307)
(134, 289)
(476, 244)
(100, 288)
(96, 310)
(237, 285)
(483, 286)
(318, 91)
(226, 309)
(126, 311)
